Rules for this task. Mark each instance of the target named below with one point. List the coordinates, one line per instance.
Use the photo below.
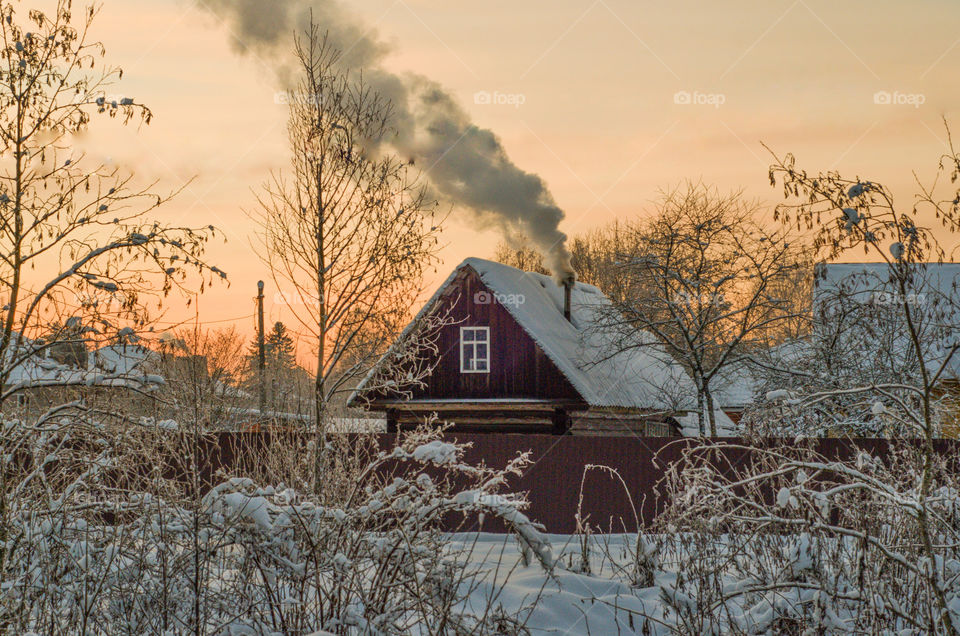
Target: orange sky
(603, 86)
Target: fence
(557, 477)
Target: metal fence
(558, 482)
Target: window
(474, 349)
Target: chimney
(567, 291)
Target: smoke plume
(466, 165)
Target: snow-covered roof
(643, 377)
(690, 424)
(119, 358)
(40, 370)
(943, 278)
(734, 388)
(934, 291)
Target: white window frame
(464, 343)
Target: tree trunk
(701, 430)
(711, 414)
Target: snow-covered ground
(569, 601)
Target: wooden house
(521, 353)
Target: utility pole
(261, 352)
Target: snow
(690, 424)
(120, 358)
(436, 452)
(934, 296)
(734, 386)
(783, 497)
(108, 367)
(777, 394)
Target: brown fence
(554, 480)
(559, 476)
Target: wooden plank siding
(518, 368)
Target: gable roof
(643, 377)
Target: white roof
(39, 370)
(734, 388)
(934, 289)
(119, 358)
(643, 377)
(870, 277)
(690, 424)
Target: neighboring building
(860, 338)
(860, 307)
(734, 390)
(512, 362)
(111, 376)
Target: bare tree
(522, 254)
(351, 232)
(594, 255)
(201, 371)
(76, 246)
(701, 278)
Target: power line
(203, 322)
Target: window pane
(481, 365)
(467, 363)
(482, 351)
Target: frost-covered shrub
(790, 542)
(98, 539)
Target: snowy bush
(791, 542)
(98, 538)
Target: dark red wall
(553, 482)
(518, 368)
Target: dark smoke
(465, 164)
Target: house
(860, 338)
(849, 297)
(520, 353)
(37, 378)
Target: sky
(609, 101)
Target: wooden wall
(518, 368)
